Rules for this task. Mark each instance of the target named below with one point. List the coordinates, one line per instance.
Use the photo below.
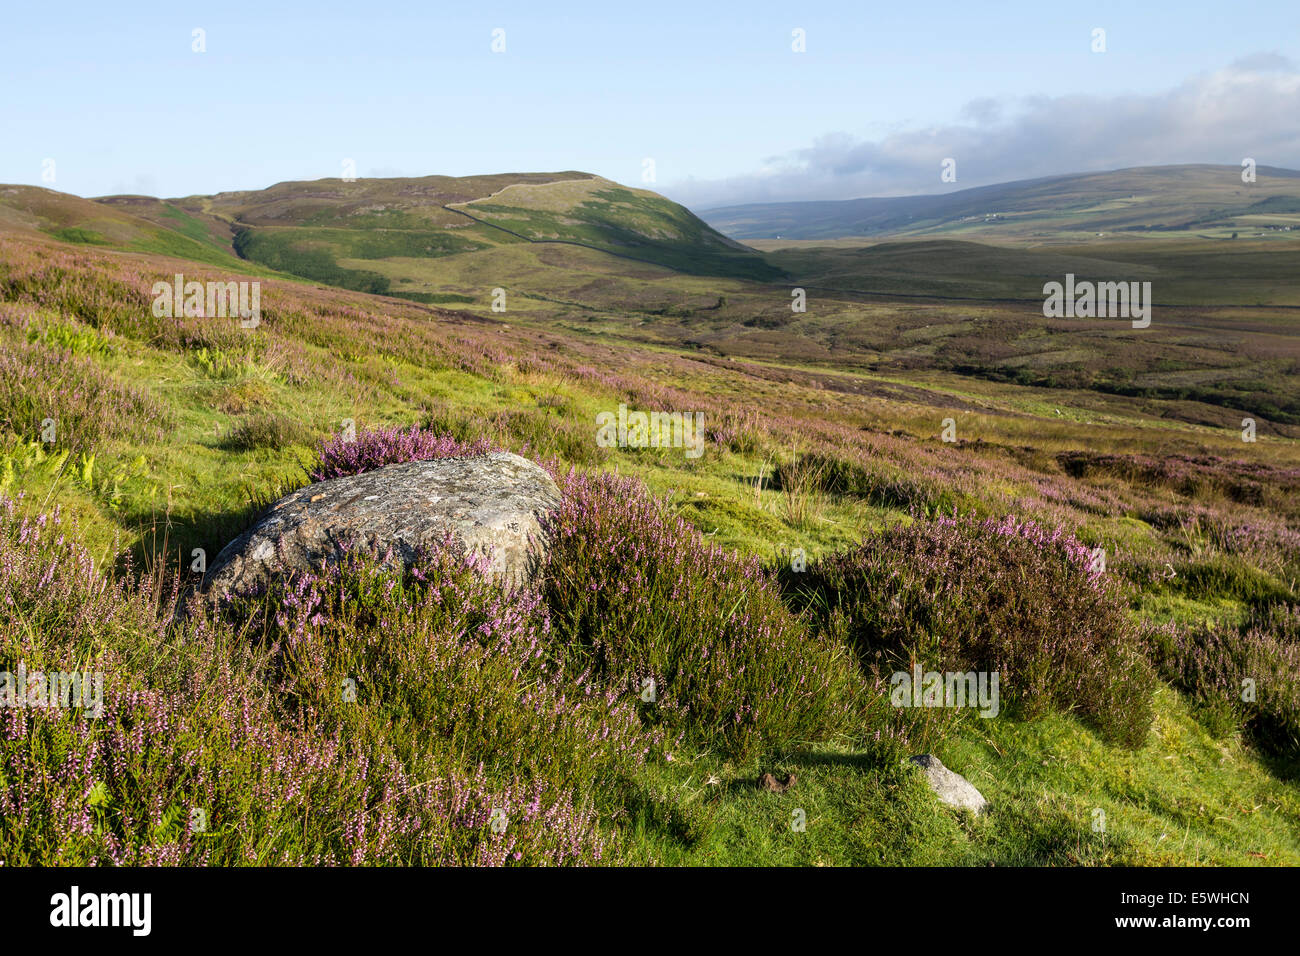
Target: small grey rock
(492, 505)
(951, 788)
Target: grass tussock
(262, 430)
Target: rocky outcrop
(491, 506)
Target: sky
(114, 98)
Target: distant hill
(127, 223)
(1155, 200)
(378, 235)
(373, 234)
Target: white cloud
(1250, 108)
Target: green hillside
(204, 228)
(372, 235)
(126, 223)
(378, 235)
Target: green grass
(81, 236)
(1185, 798)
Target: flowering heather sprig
(1059, 539)
(371, 449)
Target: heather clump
(1269, 543)
(208, 773)
(737, 430)
(698, 636)
(79, 285)
(1241, 678)
(441, 654)
(40, 382)
(1006, 597)
(1206, 477)
(345, 454)
(355, 717)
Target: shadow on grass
(1284, 768)
(171, 540)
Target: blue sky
(712, 92)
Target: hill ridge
(1133, 200)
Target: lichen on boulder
(491, 508)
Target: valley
(817, 431)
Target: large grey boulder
(492, 506)
(952, 788)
